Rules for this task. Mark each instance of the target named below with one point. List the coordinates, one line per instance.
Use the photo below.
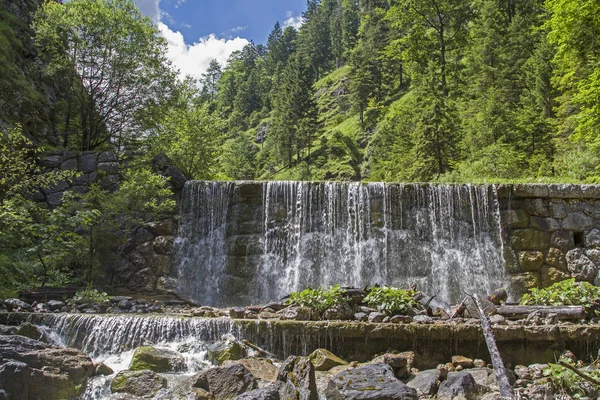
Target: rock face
(145, 384)
(371, 382)
(32, 369)
(157, 360)
(226, 382)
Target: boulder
(462, 361)
(580, 266)
(426, 382)
(341, 312)
(376, 317)
(299, 313)
(157, 360)
(370, 382)
(145, 384)
(220, 352)
(16, 305)
(260, 368)
(31, 331)
(457, 384)
(43, 370)
(102, 370)
(296, 377)
(226, 382)
(266, 393)
(55, 305)
(324, 360)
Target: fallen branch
(255, 347)
(562, 312)
(581, 374)
(460, 309)
(506, 391)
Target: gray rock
(297, 375)
(144, 384)
(370, 382)
(376, 317)
(267, 393)
(457, 384)
(226, 350)
(109, 167)
(592, 239)
(426, 382)
(15, 379)
(580, 266)
(69, 165)
(175, 177)
(55, 199)
(237, 312)
(226, 382)
(87, 162)
(55, 305)
(51, 161)
(59, 186)
(157, 360)
(125, 305)
(423, 319)
(361, 316)
(341, 312)
(577, 221)
(85, 179)
(562, 240)
(107, 156)
(16, 304)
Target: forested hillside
(392, 90)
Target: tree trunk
(563, 312)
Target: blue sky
(200, 30)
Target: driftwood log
(562, 312)
(506, 391)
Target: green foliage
(564, 293)
(90, 295)
(391, 300)
(319, 299)
(568, 382)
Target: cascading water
(443, 238)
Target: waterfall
(250, 242)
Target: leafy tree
(118, 60)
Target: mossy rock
(31, 331)
(145, 384)
(324, 360)
(156, 360)
(224, 351)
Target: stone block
(558, 209)
(580, 266)
(53, 161)
(592, 239)
(531, 261)
(515, 218)
(109, 167)
(85, 179)
(565, 191)
(88, 162)
(166, 227)
(590, 191)
(59, 186)
(562, 240)
(107, 157)
(69, 165)
(530, 239)
(244, 245)
(577, 221)
(110, 182)
(556, 258)
(521, 283)
(536, 206)
(54, 199)
(163, 245)
(550, 275)
(530, 190)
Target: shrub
(391, 300)
(319, 299)
(90, 295)
(564, 293)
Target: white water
(443, 238)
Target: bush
(90, 295)
(564, 293)
(319, 299)
(391, 300)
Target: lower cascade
(249, 242)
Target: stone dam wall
(542, 233)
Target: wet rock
(341, 312)
(55, 305)
(268, 314)
(266, 393)
(497, 297)
(530, 239)
(16, 305)
(457, 384)
(462, 361)
(376, 317)
(497, 319)
(478, 363)
(401, 319)
(237, 313)
(226, 382)
(423, 319)
(31, 331)
(361, 316)
(260, 368)
(426, 382)
(296, 377)
(299, 313)
(125, 305)
(156, 360)
(43, 371)
(227, 350)
(324, 360)
(370, 382)
(102, 370)
(8, 330)
(144, 384)
(580, 266)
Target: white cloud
(291, 20)
(193, 59)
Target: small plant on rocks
(391, 300)
(319, 299)
(90, 295)
(564, 293)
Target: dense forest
(393, 90)
(375, 90)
